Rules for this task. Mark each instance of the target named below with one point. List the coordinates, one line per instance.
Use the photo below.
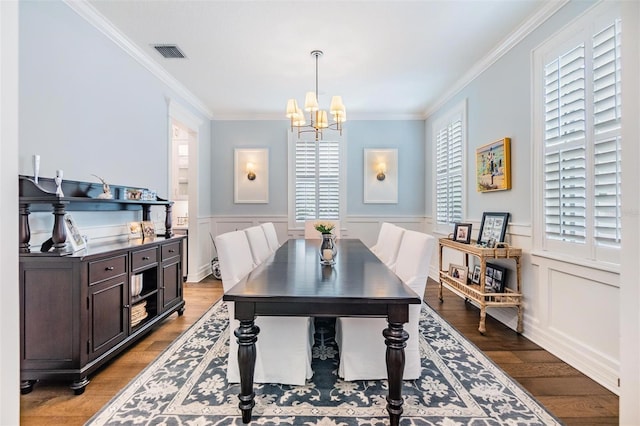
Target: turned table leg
(247, 335)
(396, 340)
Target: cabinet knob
(171, 250)
(145, 257)
(109, 268)
(126, 306)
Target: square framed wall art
(251, 176)
(380, 176)
(493, 166)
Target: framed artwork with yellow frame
(493, 166)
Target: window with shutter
(581, 138)
(316, 180)
(449, 146)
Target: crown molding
(531, 24)
(377, 116)
(102, 24)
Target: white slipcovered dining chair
(258, 243)
(278, 360)
(362, 347)
(310, 232)
(388, 244)
(272, 236)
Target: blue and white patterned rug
(186, 385)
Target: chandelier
(317, 117)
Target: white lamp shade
(298, 119)
(322, 120)
(340, 117)
(310, 102)
(292, 107)
(336, 105)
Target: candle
(36, 167)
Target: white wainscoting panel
(574, 315)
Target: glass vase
(328, 250)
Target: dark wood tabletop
(292, 282)
(294, 274)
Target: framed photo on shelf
(148, 229)
(462, 232)
(492, 228)
(74, 238)
(458, 272)
(132, 194)
(493, 166)
(475, 277)
(135, 230)
(494, 278)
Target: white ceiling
(393, 59)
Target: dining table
(293, 282)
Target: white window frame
(583, 29)
(459, 111)
(292, 138)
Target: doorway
(183, 182)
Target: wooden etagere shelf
(476, 292)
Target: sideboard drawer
(170, 250)
(108, 268)
(143, 258)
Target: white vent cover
(169, 50)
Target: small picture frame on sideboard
(74, 238)
(148, 230)
(493, 227)
(494, 278)
(462, 232)
(475, 277)
(459, 272)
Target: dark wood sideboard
(79, 310)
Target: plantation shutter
(582, 143)
(305, 172)
(449, 173)
(607, 129)
(328, 180)
(317, 180)
(565, 140)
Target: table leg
(396, 340)
(247, 335)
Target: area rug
(186, 385)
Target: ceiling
(387, 59)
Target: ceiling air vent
(169, 50)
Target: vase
(328, 250)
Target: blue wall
(407, 136)
(87, 107)
(499, 105)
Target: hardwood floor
(563, 390)
(567, 393)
